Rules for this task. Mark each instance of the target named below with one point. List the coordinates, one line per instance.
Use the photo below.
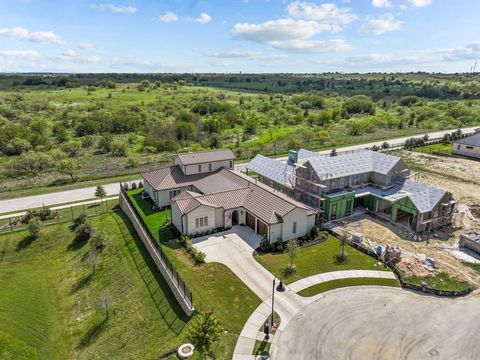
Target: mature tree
(100, 192)
(72, 148)
(17, 146)
(69, 167)
(205, 332)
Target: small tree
(333, 152)
(84, 231)
(92, 258)
(385, 145)
(69, 167)
(106, 301)
(205, 332)
(33, 228)
(100, 192)
(292, 248)
(342, 241)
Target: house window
(294, 230)
(231, 164)
(470, 147)
(199, 168)
(348, 210)
(174, 193)
(201, 222)
(333, 215)
(458, 147)
(209, 167)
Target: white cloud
(37, 36)
(381, 3)
(290, 34)
(204, 18)
(168, 17)
(381, 25)
(420, 3)
(86, 46)
(327, 13)
(115, 8)
(246, 54)
(20, 54)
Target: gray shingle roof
(275, 170)
(190, 158)
(473, 140)
(423, 196)
(358, 162)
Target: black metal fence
(47, 216)
(172, 273)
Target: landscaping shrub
(279, 245)
(314, 232)
(33, 228)
(79, 220)
(45, 213)
(133, 186)
(84, 231)
(265, 245)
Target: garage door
(250, 221)
(262, 229)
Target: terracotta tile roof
(262, 201)
(172, 177)
(190, 158)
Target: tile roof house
(206, 193)
(372, 180)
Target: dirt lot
(459, 176)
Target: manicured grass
(440, 281)
(429, 149)
(339, 283)
(50, 299)
(316, 259)
(261, 348)
(155, 220)
(213, 285)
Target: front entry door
(250, 221)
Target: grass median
(339, 283)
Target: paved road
(112, 189)
(382, 323)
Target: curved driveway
(382, 323)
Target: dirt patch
(378, 232)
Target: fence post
(71, 209)
(84, 212)
(106, 205)
(10, 221)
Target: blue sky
(239, 35)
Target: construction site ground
(462, 178)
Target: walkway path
(35, 201)
(234, 249)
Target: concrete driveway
(382, 323)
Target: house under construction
(363, 179)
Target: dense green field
(54, 134)
(50, 304)
(316, 259)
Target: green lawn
(50, 301)
(316, 259)
(335, 284)
(429, 149)
(213, 285)
(261, 348)
(439, 281)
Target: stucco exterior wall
(466, 150)
(198, 213)
(163, 196)
(300, 217)
(176, 217)
(275, 232)
(149, 190)
(193, 169)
